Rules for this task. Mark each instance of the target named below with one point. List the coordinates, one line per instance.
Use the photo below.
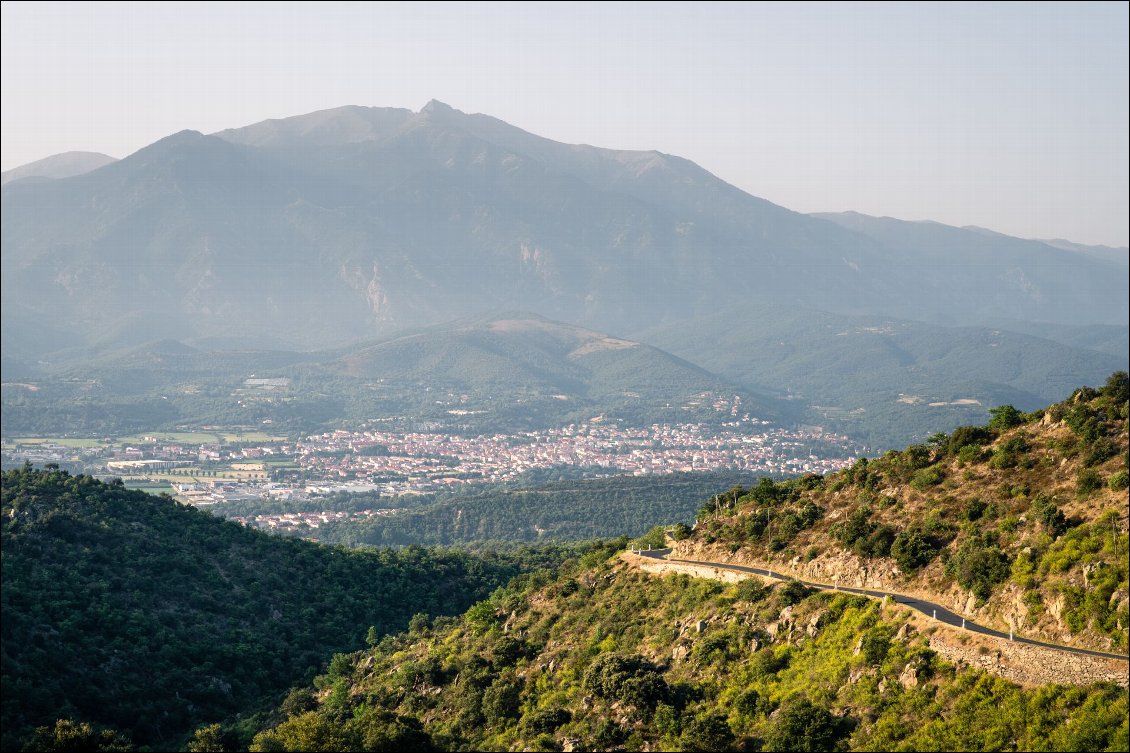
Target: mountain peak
(435, 107)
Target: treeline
(132, 611)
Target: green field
(280, 463)
(252, 436)
(152, 489)
(61, 441)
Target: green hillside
(504, 371)
(887, 382)
(1021, 524)
(132, 611)
(604, 657)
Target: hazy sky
(1012, 116)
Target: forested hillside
(561, 511)
(132, 611)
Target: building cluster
(427, 460)
(397, 462)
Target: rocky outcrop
(1028, 665)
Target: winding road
(927, 608)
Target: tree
(307, 731)
(1004, 417)
(209, 739)
(707, 732)
(803, 727)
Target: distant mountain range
(354, 222)
(360, 224)
(65, 165)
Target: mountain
(132, 611)
(1020, 523)
(503, 370)
(357, 222)
(65, 165)
(884, 380)
(995, 268)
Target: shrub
(752, 590)
(501, 700)
(768, 662)
(967, 436)
(975, 508)
(1118, 481)
(307, 731)
(1100, 450)
(912, 549)
(979, 565)
(546, 720)
(970, 454)
(857, 526)
(1088, 481)
(1049, 514)
(874, 648)
(1004, 417)
(1117, 388)
(794, 592)
(878, 544)
(666, 720)
(927, 477)
(630, 679)
(1002, 459)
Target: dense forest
(563, 511)
(132, 611)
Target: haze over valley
(365, 243)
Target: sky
(1008, 116)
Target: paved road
(925, 607)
